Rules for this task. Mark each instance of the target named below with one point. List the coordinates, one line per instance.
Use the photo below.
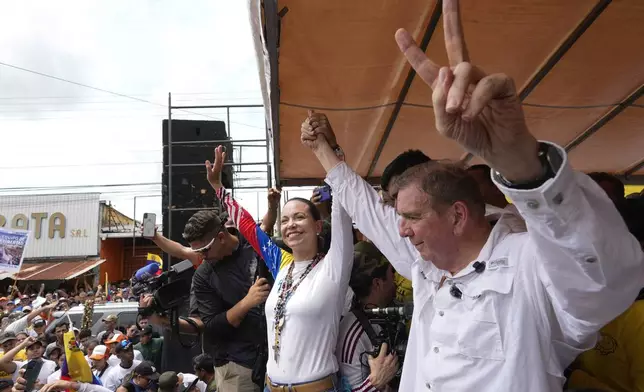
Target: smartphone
(31, 375)
(149, 224)
(324, 192)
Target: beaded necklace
(285, 292)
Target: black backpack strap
(366, 325)
(192, 385)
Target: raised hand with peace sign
(480, 112)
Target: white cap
(99, 352)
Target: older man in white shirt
(496, 309)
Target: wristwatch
(551, 161)
(338, 151)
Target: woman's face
(299, 229)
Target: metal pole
(228, 119)
(134, 230)
(169, 263)
(216, 106)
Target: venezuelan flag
(152, 258)
(274, 257)
(75, 366)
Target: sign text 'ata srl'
(42, 222)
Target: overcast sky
(59, 134)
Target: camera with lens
(393, 331)
(169, 289)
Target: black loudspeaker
(190, 192)
(193, 142)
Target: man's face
(133, 331)
(206, 246)
(9, 345)
(386, 287)
(145, 339)
(99, 363)
(34, 351)
(431, 232)
(25, 301)
(143, 323)
(126, 356)
(142, 381)
(60, 332)
(109, 325)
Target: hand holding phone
(149, 225)
(31, 374)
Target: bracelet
(338, 151)
(544, 155)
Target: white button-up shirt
(539, 302)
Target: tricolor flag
(75, 366)
(152, 258)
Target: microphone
(479, 266)
(146, 272)
(456, 292)
(405, 311)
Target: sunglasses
(205, 249)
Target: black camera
(393, 331)
(169, 290)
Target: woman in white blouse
(305, 304)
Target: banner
(13, 244)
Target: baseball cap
(366, 259)
(146, 369)
(123, 346)
(7, 336)
(111, 317)
(99, 352)
(37, 341)
(118, 337)
(24, 296)
(4, 299)
(27, 309)
(147, 330)
(168, 382)
(4, 384)
(51, 348)
(38, 321)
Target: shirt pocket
(481, 339)
(479, 334)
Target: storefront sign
(59, 225)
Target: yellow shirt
(21, 356)
(403, 289)
(617, 361)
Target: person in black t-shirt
(226, 293)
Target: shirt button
(591, 259)
(532, 204)
(428, 386)
(449, 283)
(436, 350)
(558, 199)
(441, 313)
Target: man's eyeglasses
(205, 249)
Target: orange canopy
(578, 65)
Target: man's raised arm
(375, 220)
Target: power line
(101, 89)
(78, 165)
(133, 95)
(77, 186)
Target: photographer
(224, 301)
(372, 280)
